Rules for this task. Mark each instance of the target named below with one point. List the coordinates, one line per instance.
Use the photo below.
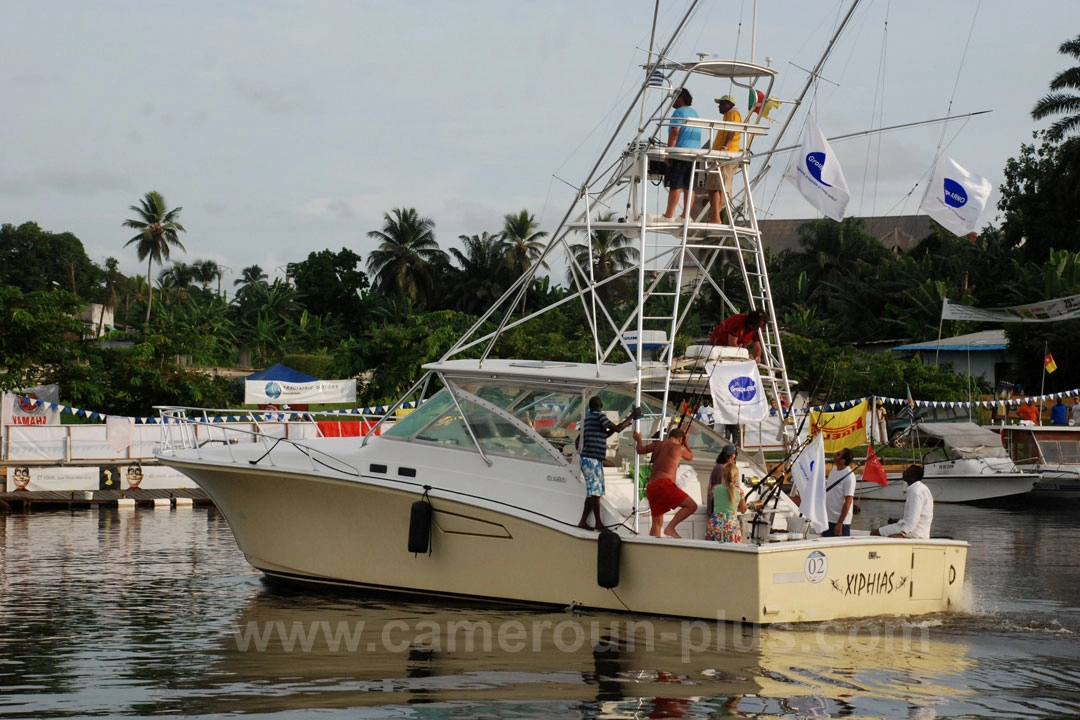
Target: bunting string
(234, 417)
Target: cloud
(19, 187)
(270, 100)
(66, 181)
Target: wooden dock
(71, 499)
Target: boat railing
(748, 130)
(189, 428)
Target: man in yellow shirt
(718, 182)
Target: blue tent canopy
(281, 374)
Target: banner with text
(843, 429)
(280, 393)
(1066, 308)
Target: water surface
(150, 612)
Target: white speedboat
(475, 492)
(962, 462)
(1051, 453)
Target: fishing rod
(772, 493)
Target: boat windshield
(530, 415)
(1066, 452)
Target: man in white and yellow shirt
(728, 141)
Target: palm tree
(484, 267)
(611, 252)
(158, 230)
(1062, 103)
(206, 271)
(523, 241)
(182, 274)
(250, 277)
(408, 256)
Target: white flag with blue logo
(954, 197)
(815, 170)
(808, 473)
(737, 394)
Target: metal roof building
(981, 354)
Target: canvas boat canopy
(967, 439)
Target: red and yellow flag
(1049, 364)
(844, 429)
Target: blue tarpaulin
(281, 374)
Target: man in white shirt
(840, 493)
(705, 414)
(918, 509)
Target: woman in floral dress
(727, 502)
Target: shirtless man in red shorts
(662, 492)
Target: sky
(286, 127)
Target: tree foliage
(38, 336)
(32, 259)
(408, 258)
(1058, 102)
(1040, 199)
(332, 284)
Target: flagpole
(1042, 387)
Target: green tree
(394, 353)
(38, 335)
(1040, 199)
(122, 382)
(250, 278)
(202, 331)
(408, 257)
(1062, 103)
(608, 252)
(329, 283)
(264, 317)
(523, 241)
(830, 372)
(178, 276)
(158, 233)
(33, 259)
(206, 272)
(484, 271)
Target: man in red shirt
(1028, 411)
(740, 331)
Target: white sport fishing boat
(1051, 453)
(962, 462)
(475, 493)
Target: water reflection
(373, 651)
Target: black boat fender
(608, 555)
(420, 515)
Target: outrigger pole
(806, 88)
(901, 126)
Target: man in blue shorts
(677, 178)
(594, 434)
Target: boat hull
(347, 531)
(1058, 484)
(953, 489)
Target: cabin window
(1055, 452)
(440, 421)
(1070, 452)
